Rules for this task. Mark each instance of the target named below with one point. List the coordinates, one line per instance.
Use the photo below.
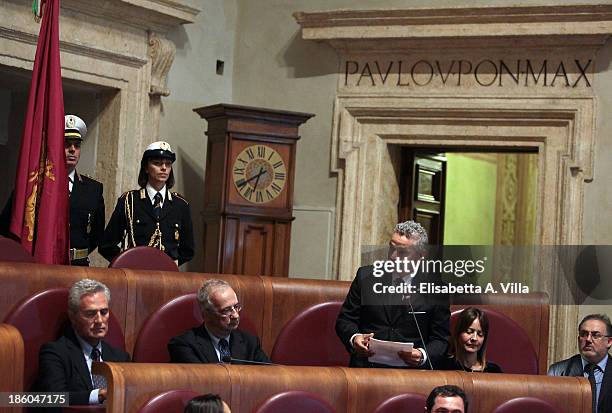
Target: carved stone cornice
(535, 25)
(155, 15)
(162, 53)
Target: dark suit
(392, 321)
(174, 224)
(62, 367)
(573, 367)
(195, 346)
(86, 215)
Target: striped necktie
(157, 200)
(99, 382)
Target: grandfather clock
(248, 198)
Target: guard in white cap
(86, 200)
(152, 215)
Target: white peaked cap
(74, 127)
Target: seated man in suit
(218, 338)
(448, 399)
(593, 362)
(65, 364)
(364, 316)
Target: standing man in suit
(65, 364)
(593, 362)
(152, 215)
(86, 198)
(363, 316)
(218, 338)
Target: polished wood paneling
(288, 297)
(346, 389)
(11, 362)
(20, 280)
(270, 302)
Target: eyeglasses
(91, 314)
(595, 335)
(445, 410)
(228, 311)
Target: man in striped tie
(65, 364)
(593, 362)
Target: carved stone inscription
(476, 73)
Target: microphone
(420, 334)
(232, 360)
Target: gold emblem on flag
(30, 209)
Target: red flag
(40, 205)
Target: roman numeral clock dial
(259, 174)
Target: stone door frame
(373, 111)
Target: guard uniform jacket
(136, 218)
(86, 215)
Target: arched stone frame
(560, 129)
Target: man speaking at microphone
(218, 338)
(410, 318)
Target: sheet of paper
(386, 352)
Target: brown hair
(143, 177)
(466, 318)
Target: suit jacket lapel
(205, 346)
(606, 385)
(575, 367)
(166, 207)
(238, 346)
(78, 360)
(147, 205)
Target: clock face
(259, 174)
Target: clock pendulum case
(248, 197)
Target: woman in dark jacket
(468, 344)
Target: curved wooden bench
(345, 389)
(270, 302)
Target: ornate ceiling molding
(536, 25)
(155, 15)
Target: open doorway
(475, 197)
(82, 99)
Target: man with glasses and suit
(218, 339)
(593, 362)
(65, 364)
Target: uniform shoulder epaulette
(181, 197)
(127, 192)
(91, 178)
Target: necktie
(157, 205)
(99, 382)
(590, 369)
(224, 350)
(70, 181)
